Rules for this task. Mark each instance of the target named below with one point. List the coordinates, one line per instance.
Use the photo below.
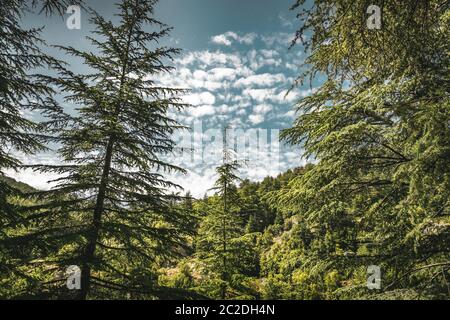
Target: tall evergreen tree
(378, 126)
(22, 92)
(110, 212)
(220, 229)
(228, 257)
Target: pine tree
(227, 255)
(110, 212)
(22, 92)
(378, 126)
(220, 229)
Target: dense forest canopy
(379, 126)
(376, 195)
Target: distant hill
(17, 184)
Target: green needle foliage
(110, 212)
(379, 129)
(220, 227)
(227, 256)
(22, 92)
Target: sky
(237, 64)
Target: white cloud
(260, 58)
(221, 39)
(256, 118)
(285, 96)
(197, 184)
(248, 38)
(199, 74)
(203, 98)
(208, 58)
(292, 66)
(292, 96)
(262, 108)
(219, 74)
(290, 114)
(203, 84)
(224, 108)
(258, 94)
(227, 38)
(269, 53)
(271, 95)
(280, 39)
(201, 111)
(261, 80)
(32, 178)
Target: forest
(375, 196)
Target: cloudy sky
(238, 67)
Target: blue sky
(237, 65)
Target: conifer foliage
(220, 229)
(110, 212)
(22, 92)
(378, 126)
(227, 257)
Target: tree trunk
(89, 255)
(99, 206)
(224, 234)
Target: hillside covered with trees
(376, 193)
